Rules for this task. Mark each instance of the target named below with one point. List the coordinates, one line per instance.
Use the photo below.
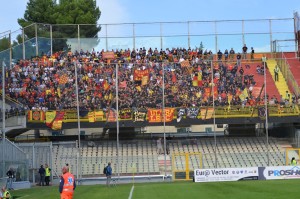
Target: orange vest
(68, 183)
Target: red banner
(139, 74)
(155, 115)
(207, 92)
(108, 55)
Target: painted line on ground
(23, 196)
(131, 192)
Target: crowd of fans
(48, 82)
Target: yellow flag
(138, 88)
(58, 92)
(244, 94)
(48, 91)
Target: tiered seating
(294, 64)
(231, 152)
(134, 157)
(41, 154)
(62, 155)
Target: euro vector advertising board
(226, 174)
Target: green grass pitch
(276, 189)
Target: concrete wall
(48, 132)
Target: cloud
(112, 11)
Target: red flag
(174, 79)
(123, 84)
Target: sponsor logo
(203, 173)
(295, 171)
(211, 172)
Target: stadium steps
(281, 84)
(161, 164)
(259, 79)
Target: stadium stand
(140, 156)
(47, 83)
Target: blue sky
(126, 11)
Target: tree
(4, 43)
(64, 12)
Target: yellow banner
(145, 80)
(209, 113)
(99, 116)
(91, 116)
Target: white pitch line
(131, 192)
(24, 196)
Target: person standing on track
(108, 173)
(67, 184)
(48, 174)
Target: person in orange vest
(67, 184)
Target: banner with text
(279, 172)
(226, 174)
(108, 55)
(125, 114)
(139, 116)
(139, 74)
(155, 115)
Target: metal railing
(40, 39)
(13, 157)
(286, 71)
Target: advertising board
(226, 174)
(279, 172)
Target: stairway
(162, 162)
(281, 84)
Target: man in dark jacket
(42, 173)
(108, 174)
(10, 175)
